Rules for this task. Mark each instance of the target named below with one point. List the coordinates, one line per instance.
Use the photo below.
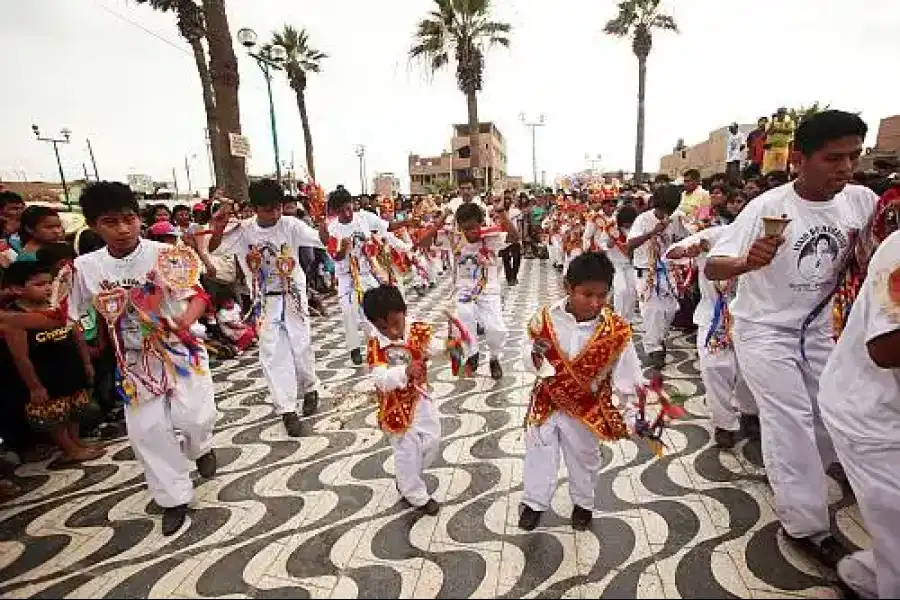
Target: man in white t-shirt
(860, 402)
(466, 195)
(267, 249)
(649, 238)
(734, 153)
(351, 243)
(782, 327)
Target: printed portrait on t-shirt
(818, 257)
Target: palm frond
(664, 22)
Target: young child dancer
(351, 244)
(859, 399)
(649, 239)
(53, 364)
(478, 299)
(148, 295)
(608, 232)
(398, 354)
(730, 402)
(267, 248)
(581, 352)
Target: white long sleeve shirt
(392, 377)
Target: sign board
(141, 184)
(240, 145)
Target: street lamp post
(268, 58)
(592, 161)
(533, 126)
(187, 170)
(66, 133)
(93, 160)
(360, 151)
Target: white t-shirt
(644, 223)
(805, 269)
(858, 398)
(457, 202)
(733, 147)
(468, 271)
(359, 230)
(98, 271)
(515, 216)
(288, 234)
(709, 294)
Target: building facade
(432, 174)
(386, 185)
(708, 156)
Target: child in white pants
(160, 400)
(397, 355)
(859, 397)
(649, 238)
(478, 279)
(728, 398)
(581, 352)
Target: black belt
(640, 272)
(274, 293)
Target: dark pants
(512, 261)
(733, 172)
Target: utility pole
(86, 176)
(212, 170)
(66, 133)
(360, 151)
(93, 160)
(175, 182)
(533, 126)
(187, 171)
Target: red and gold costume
(397, 408)
(582, 385)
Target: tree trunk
(639, 143)
(218, 151)
(225, 79)
(307, 134)
(474, 146)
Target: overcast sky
(74, 63)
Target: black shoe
(750, 426)
(430, 508)
(581, 518)
(173, 519)
(431, 285)
(356, 356)
(310, 403)
(724, 438)
(496, 369)
(292, 424)
(515, 281)
(479, 329)
(472, 363)
(529, 518)
(828, 552)
(206, 465)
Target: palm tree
(461, 29)
(225, 79)
(301, 59)
(638, 19)
(191, 26)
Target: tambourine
(178, 267)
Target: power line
(178, 47)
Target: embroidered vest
(582, 386)
(397, 408)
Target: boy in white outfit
(352, 243)
(649, 238)
(159, 400)
(398, 357)
(782, 331)
(582, 353)
(267, 249)
(860, 402)
(608, 233)
(728, 398)
(477, 260)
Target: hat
(163, 228)
(199, 207)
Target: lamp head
(66, 132)
(247, 37)
(36, 130)
(277, 53)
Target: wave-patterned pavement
(319, 516)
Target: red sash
(582, 386)
(397, 408)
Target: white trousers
(581, 451)
(727, 394)
(168, 433)
(415, 450)
(286, 353)
(872, 470)
(486, 309)
(555, 251)
(657, 312)
(351, 310)
(624, 291)
(795, 445)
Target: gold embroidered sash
(582, 386)
(397, 408)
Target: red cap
(199, 207)
(162, 228)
